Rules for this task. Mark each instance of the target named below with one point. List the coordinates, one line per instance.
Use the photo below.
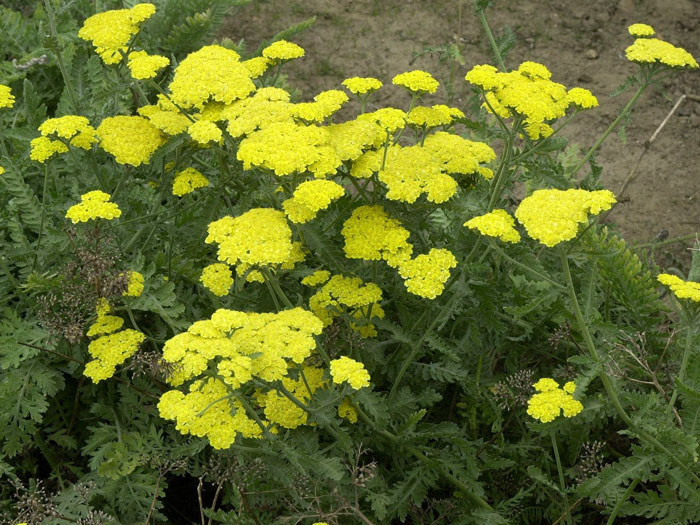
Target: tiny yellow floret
(188, 180)
(283, 50)
(143, 66)
(641, 30)
(551, 401)
(416, 81)
(93, 205)
(498, 224)
(361, 85)
(346, 369)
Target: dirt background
(582, 43)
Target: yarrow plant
(301, 311)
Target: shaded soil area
(582, 43)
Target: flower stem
(562, 483)
(494, 47)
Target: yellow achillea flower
(71, 128)
(347, 411)
(680, 288)
(416, 81)
(427, 274)
(256, 66)
(170, 122)
(266, 106)
(211, 73)
(205, 131)
(412, 171)
(110, 31)
(7, 99)
(389, 119)
(43, 148)
(348, 294)
(142, 65)
(93, 205)
(438, 115)
(283, 411)
(497, 223)
(346, 369)
(370, 234)
(2, 170)
(553, 216)
(361, 85)
(551, 400)
(458, 155)
(325, 104)
(131, 139)
(653, 50)
(188, 180)
(208, 410)
(135, 287)
(316, 278)
(282, 50)
(640, 30)
(111, 350)
(582, 98)
(217, 278)
(105, 323)
(310, 197)
(260, 236)
(350, 139)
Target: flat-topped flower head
(348, 370)
(205, 131)
(135, 285)
(427, 274)
(498, 224)
(143, 66)
(110, 31)
(416, 81)
(131, 139)
(361, 85)
(71, 128)
(582, 98)
(93, 205)
(551, 401)
(7, 99)
(188, 180)
(372, 235)
(655, 51)
(256, 66)
(641, 30)
(282, 51)
(680, 288)
(553, 216)
(438, 115)
(310, 197)
(217, 278)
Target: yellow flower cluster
(205, 131)
(389, 119)
(131, 139)
(208, 410)
(73, 129)
(110, 31)
(316, 278)
(93, 205)
(362, 85)
(281, 410)
(653, 50)
(143, 66)
(112, 348)
(497, 223)
(256, 66)
(372, 235)
(529, 92)
(680, 288)
(188, 180)
(416, 81)
(217, 278)
(347, 411)
(348, 370)
(458, 155)
(211, 73)
(282, 50)
(7, 99)
(310, 197)
(349, 295)
(266, 106)
(427, 274)
(135, 286)
(260, 236)
(553, 216)
(165, 117)
(325, 104)
(551, 401)
(582, 98)
(641, 30)
(438, 115)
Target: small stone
(591, 54)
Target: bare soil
(582, 43)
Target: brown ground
(581, 41)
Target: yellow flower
(316, 278)
(135, 287)
(458, 155)
(71, 128)
(256, 66)
(142, 65)
(43, 148)
(346, 369)
(110, 31)
(582, 98)
(680, 288)
(170, 122)
(204, 132)
(497, 223)
(653, 50)
(551, 401)
(188, 180)
(7, 99)
(131, 139)
(283, 50)
(361, 85)
(427, 274)
(310, 197)
(217, 278)
(93, 205)
(370, 234)
(109, 351)
(389, 119)
(553, 216)
(641, 30)
(416, 81)
(438, 115)
(347, 411)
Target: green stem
(611, 128)
(276, 287)
(59, 57)
(562, 482)
(618, 505)
(684, 361)
(526, 268)
(43, 214)
(503, 167)
(492, 41)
